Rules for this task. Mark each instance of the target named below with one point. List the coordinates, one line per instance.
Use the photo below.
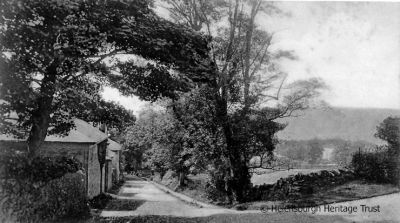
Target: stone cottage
(87, 144)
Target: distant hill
(344, 123)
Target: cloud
(353, 47)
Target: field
(353, 190)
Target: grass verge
(350, 191)
(230, 218)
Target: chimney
(103, 128)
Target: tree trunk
(247, 53)
(41, 116)
(37, 135)
(181, 178)
(239, 178)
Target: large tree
(389, 131)
(183, 136)
(55, 58)
(250, 91)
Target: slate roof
(114, 146)
(84, 133)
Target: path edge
(183, 197)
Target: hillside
(343, 123)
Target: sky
(354, 47)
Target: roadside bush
(377, 167)
(116, 186)
(100, 201)
(40, 169)
(215, 189)
(42, 189)
(260, 192)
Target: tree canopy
(250, 90)
(389, 131)
(57, 55)
(183, 136)
(222, 125)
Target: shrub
(260, 192)
(116, 187)
(41, 189)
(40, 169)
(214, 194)
(215, 188)
(377, 167)
(100, 201)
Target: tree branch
(279, 89)
(101, 57)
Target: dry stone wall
(299, 185)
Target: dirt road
(153, 201)
(382, 208)
(146, 201)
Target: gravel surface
(142, 201)
(384, 208)
(153, 201)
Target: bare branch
(233, 23)
(276, 167)
(104, 56)
(279, 89)
(11, 118)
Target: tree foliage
(300, 150)
(182, 137)
(143, 138)
(250, 89)
(389, 131)
(315, 152)
(55, 60)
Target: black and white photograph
(197, 111)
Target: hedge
(43, 189)
(377, 167)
